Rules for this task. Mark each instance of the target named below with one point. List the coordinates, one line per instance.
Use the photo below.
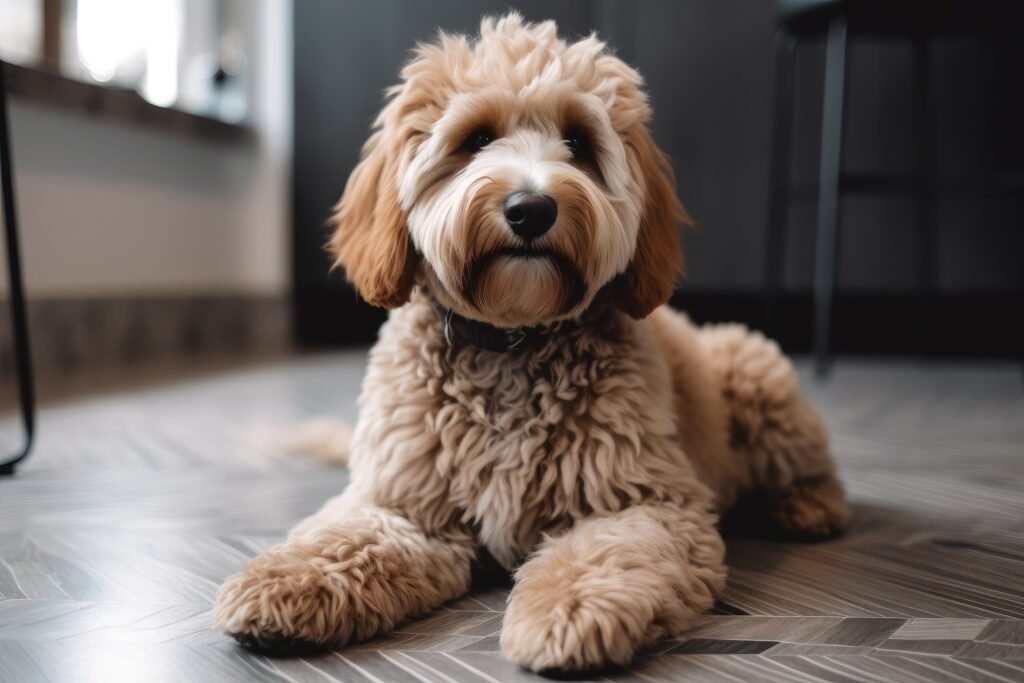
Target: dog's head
(514, 176)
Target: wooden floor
(117, 532)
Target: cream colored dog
(530, 397)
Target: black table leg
(19, 323)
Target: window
(174, 53)
(21, 31)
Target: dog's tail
(326, 439)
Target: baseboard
(71, 334)
(939, 324)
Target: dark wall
(708, 67)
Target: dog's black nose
(530, 214)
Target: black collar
(489, 337)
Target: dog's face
(514, 177)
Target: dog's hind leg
(777, 435)
(352, 571)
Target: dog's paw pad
(276, 644)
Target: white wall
(111, 208)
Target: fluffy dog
(530, 398)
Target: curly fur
(595, 464)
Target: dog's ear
(371, 239)
(649, 279)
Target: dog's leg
(611, 585)
(810, 508)
(778, 438)
(798, 484)
(350, 572)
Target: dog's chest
(530, 445)
(513, 445)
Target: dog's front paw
(575, 622)
(282, 603)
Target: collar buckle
(515, 337)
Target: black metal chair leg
(19, 322)
(828, 191)
(778, 182)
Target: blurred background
(175, 161)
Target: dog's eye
(579, 145)
(478, 139)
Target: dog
(531, 398)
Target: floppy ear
(649, 280)
(371, 240)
